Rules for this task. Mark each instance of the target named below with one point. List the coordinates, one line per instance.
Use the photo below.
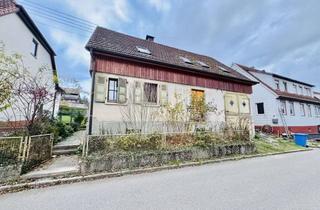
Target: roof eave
(34, 29)
(298, 99)
(138, 59)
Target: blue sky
(275, 35)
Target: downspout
(92, 93)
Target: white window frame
(283, 107)
(291, 108)
(302, 110)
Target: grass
(275, 145)
(65, 118)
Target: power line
(62, 22)
(83, 34)
(59, 18)
(42, 7)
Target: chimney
(149, 38)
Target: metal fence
(29, 150)
(11, 150)
(106, 127)
(169, 140)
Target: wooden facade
(122, 67)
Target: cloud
(160, 5)
(101, 12)
(73, 47)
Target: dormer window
(186, 60)
(224, 69)
(143, 50)
(203, 64)
(35, 48)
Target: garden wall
(130, 160)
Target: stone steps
(65, 149)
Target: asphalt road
(289, 181)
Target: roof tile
(109, 41)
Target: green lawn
(275, 145)
(65, 118)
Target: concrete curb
(90, 177)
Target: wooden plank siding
(152, 72)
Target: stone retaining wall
(124, 161)
(10, 172)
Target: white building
(282, 103)
(133, 79)
(19, 34)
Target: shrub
(138, 142)
(205, 139)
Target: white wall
(17, 38)
(262, 94)
(113, 113)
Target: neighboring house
(20, 35)
(130, 74)
(282, 102)
(70, 104)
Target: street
(288, 181)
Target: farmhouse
(134, 79)
(19, 35)
(284, 104)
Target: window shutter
(137, 92)
(122, 91)
(100, 89)
(164, 95)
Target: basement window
(35, 48)
(186, 60)
(143, 50)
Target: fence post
(51, 143)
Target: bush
(205, 139)
(138, 142)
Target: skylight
(224, 69)
(143, 50)
(186, 60)
(203, 64)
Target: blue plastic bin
(301, 139)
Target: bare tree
(28, 94)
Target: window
(143, 50)
(302, 110)
(186, 60)
(317, 110)
(277, 84)
(309, 110)
(291, 108)
(285, 86)
(35, 48)
(150, 93)
(197, 101)
(283, 107)
(113, 90)
(224, 69)
(260, 108)
(308, 91)
(295, 89)
(203, 64)
(301, 90)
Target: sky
(280, 36)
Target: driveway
(288, 181)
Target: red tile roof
(281, 94)
(111, 42)
(7, 7)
